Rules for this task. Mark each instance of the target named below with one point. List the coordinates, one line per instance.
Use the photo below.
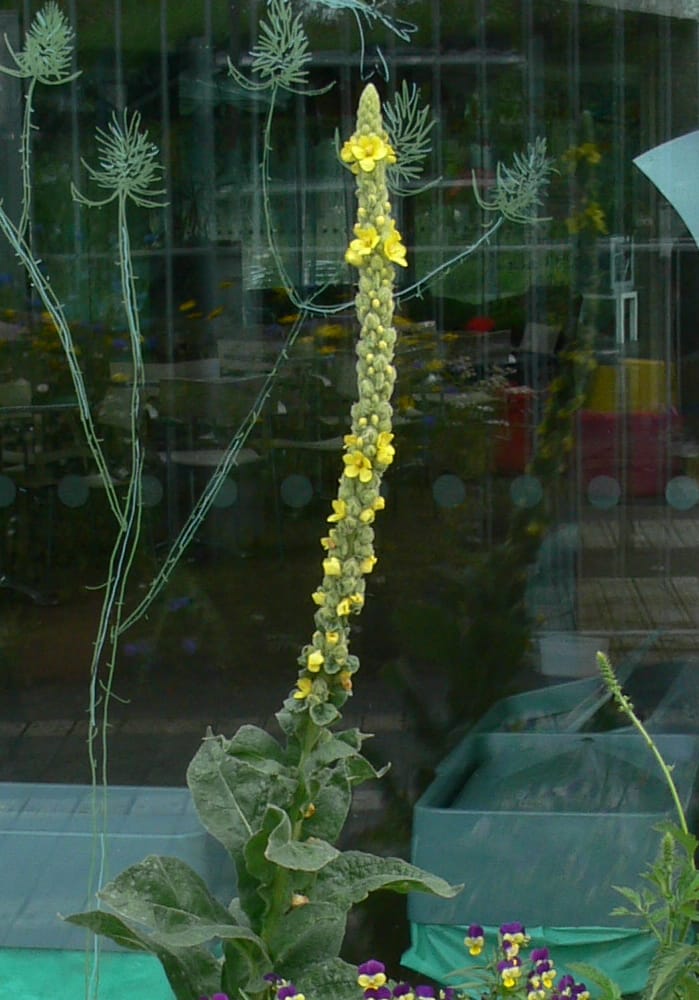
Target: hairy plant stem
(626, 706)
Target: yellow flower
(356, 600)
(315, 661)
(318, 598)
(339, 511)
(363, 152)
(367, 516)
(360, 248)
(590, 152)
(304, 687)
(345, 679)
(379, 503)
(367, 565)
(328, 543)
(357, 465)
(595, 214)
(332, 638)
(394, 248)
(384, 449)
(343, 608)
(332, 566)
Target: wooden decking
(631, 604)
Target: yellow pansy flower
(357, 465)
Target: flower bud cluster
(326, 663)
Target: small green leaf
(324, 714)
(310, 855)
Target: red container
(638, 445)
(513, 444)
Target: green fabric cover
(624, 955)
(44, 974)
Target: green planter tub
(539, 827)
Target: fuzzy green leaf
(307, 856)
(332, 798)
(231, 795)
(243, 967)
(254, 744)
(334, 978)
(353, 875)
(170, 899)
(324, 714)
(190, 971)
(306, 935)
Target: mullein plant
(278, 807)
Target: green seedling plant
(667, 902)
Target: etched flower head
(48, 49)
(129, 166)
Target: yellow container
(645, 388)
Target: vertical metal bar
(167, 259)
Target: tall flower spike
(48, 49)
(129, 164)
(325, 678)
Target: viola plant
(278, 807)
(509, 972)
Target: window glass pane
(543, 497)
